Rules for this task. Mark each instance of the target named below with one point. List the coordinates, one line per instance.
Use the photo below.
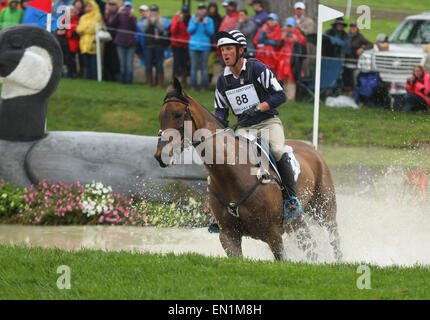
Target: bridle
(187, 116)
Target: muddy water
(380, 222)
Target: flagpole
(324, 14)
(48, 22)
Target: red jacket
(3, 6)
(229, 22)
(267, 53)
(283, 66)
(71, 35)
(178, 31)
(420, 87)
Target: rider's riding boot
(213, 225)
(289, 193)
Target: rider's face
(229, 55)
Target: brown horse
(260, 216)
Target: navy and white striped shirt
(268, 90)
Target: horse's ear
(177, 86)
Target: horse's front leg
(274, 240)
(231, 241)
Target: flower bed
(95, 203)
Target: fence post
(99, 60)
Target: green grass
(32, 274)
(80, 105)
(370, 156)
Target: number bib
(242, 98)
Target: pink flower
(69, 207)
(101, 219)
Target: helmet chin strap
(238, 56)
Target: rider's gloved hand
(250, 113)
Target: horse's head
(174, 133)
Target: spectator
(73, 43)
(382, 42)
(140, 37)
(111, 68)
(60, 34)
(4, 4)
(87, 32)
(266, 41)
(305, 24)
(11, 15)
(24, 4)
(180, 39)
(356, 44)
(337, 37)
(79, 5)
(125, 40)
(418, 89)
(217, 19)
(154, 27)
(232, 17)
(102, 6)
(260, 16)
(201, 28)
(308, 27)
(248, 28)
(289, 64)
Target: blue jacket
(200, 34)
(259, 18)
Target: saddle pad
(265, 152)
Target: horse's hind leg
(334, 239)
(304, 237)
(325, 215)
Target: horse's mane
(186, 99)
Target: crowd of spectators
(286, 47)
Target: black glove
(250, 112)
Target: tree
(285, 8)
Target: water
(380, 222)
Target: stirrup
(292, 207)
(213, 227)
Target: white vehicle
(405, 51)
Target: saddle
(263, 152)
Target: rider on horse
(255, 105)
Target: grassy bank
(80, 105)
(32, 274)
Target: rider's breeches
(275, 133)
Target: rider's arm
(269, 82)
(220, 103)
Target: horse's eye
(177, 115)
